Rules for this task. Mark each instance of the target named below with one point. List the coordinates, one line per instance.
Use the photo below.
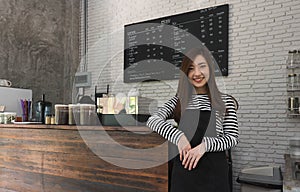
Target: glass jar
(297, 58)
(293, 104)
(52, 119)
(2, 118)
(48, 119)
(61, 114)
(292, 80)
(9, 117)
(291, 58)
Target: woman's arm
(157, 122)
(230, 135)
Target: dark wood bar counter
(61, 158)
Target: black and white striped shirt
(227, 128)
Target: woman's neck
(201, 90)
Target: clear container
(61, 114)
(74, 114)
(7, 117)
(297, 58)
(293, 104)
(10, 117)
(1, 118)
(291, 58)
(292, 80)
(88, 114)
(48, 119)
(53, 120)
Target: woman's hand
(183, 146)
(192, 157)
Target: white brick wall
(261, 33)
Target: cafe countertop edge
(139, 128)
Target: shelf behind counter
(66, 158)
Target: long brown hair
(185, 88)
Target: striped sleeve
(158, 123)
(230, 136)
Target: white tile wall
(261, 33)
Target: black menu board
(154, 49)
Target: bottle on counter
(42, 109)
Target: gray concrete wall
(39, 46)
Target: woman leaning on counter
(201, 164)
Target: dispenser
(43, 108)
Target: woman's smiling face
(198, 74)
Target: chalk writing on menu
(154, 49)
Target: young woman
(201, 164)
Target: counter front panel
(39, 158)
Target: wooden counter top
(78, 127)
(64, 158)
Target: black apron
(211, 172)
